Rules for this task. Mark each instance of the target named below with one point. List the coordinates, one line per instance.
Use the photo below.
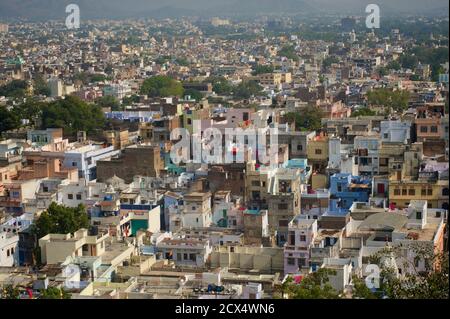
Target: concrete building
(301, 234)
(197, 210)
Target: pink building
(301, 234)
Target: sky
(51, 9)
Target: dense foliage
(73, 115)
(288, 52)
(14, 89)
(59, 219)
(309, 119)
(397, 100)
(162, 86)
(414, 284)
(314, 286)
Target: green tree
(327, 62)
(221, 86)
(10, 292)
(30, 110)
(413, 284)
(261, 69)
(394, 65)
(59, 219)
(14, 89)
(361, 291)
(246, 89)
(54, 293)
(365, 111)
(40, 86)
(162, 86)
(309, 119)
(8, 120)
(397, 100)
(314, 286)
(73, 115)
(128, 100)
(194, 94)
(288, 52)
(109, 101)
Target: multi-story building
(302, 232)
(197, 210)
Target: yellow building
(317, 153)
(402, 192)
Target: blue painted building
(346, 189)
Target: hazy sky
(139, 8)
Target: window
(283, 206)
(255, 183)
(299, 147)
(70, 196)
(412, 192)
(74, 164)
(302, 238)
(445, 192)
(339, 188)
(283, 223)
(291, 261)
(416, 261)
(418, 215)
(434, 129)
(318, 151)
(78, 196)
(423, 192)
(192, 257)
(423, 129)
(429, 191)
(189, 121)
(301, 262)
(404, 191)
(397, 191)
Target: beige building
(55, 248)
(266, 260)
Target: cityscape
(203, 150)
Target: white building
(395, 131)
(9, 249)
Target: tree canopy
(162, 86)
(221, 86)
(413, 284)
(54, 293)
(365, 111)
(397, 100)
(73, 115)
(314, 286)
(14, 89)
(261, 69)
(194, 94)
(109, 101)
(247, 89)
(59, 219)
(288, 52)
(309, 119)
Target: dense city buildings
(353, 123)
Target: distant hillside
(55, 9)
